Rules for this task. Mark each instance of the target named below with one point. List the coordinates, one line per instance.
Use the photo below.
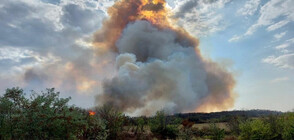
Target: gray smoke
(156, 69)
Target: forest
(46, 116)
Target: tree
(234, 122)
(287, 121)
(96, 128)
(216, 133)
(158, 125)
(255, 129)
(113, 118)
(42, 116)
(186, 132)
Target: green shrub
(158, 125)
(287, 121)
(113, 118)
(43, 116)
(215, 132)
(96, 128)
(255, 129)
(186, 131)
(233, 124)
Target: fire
(92, 113)
(124, 12)
(153, 11)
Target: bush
(216, 133)
(270, 128)
(158, 125)
(96, 128)
(43, 116)
(255, 129)
(233, 124)
(186, 132)
(113, 118)
(287, 122)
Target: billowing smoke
(158, 66)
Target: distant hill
(224, 116)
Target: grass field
(219, 125)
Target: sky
(46, 43)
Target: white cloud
(249, 8)
(198, 18)
(270, 12)
(14, 54)
(45, 45)
(277, 25)
(284, 61)
(291, 40)
(283, 46)
(235, 38)
(280, 79)
(280, 35)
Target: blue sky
(45, 43)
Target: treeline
(46, 116)
(224, 116)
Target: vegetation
(46, 116)
(158, 125)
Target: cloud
(269, 13)
(280, 35)
(46, 44)
(282, 46)
(290, 40)
(280, 79)
(14, 54)
(284, 61)
(249, 8)
(235, 38)
(197, 18)
(81, 18)
(277, 25)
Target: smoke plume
(159, 66)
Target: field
(221, 125)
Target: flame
(92, 113)
(124, 12)
(154, 11)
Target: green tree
(158, 125)
(234, 122)
(216, 133)
(186, 132)
(96, 128)
(113, 118)
(42, 116)
(256, 129)
(287, 121)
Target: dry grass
(219, 125)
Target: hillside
(224, 116)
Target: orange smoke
(124, 12)
(217, 100)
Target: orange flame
(124, 12)
(92, 113)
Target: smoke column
(159, 66)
